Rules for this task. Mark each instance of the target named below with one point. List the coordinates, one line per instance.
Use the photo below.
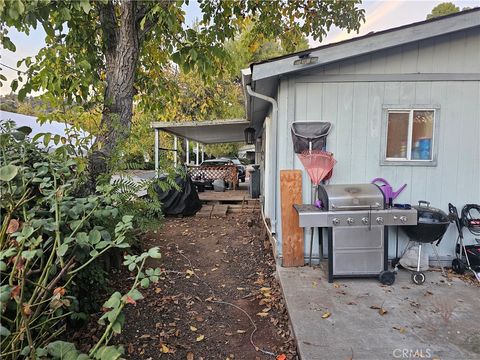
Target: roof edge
(438, 26)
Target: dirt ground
(217, 299)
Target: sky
(380, 15)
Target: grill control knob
(335, 221)
(350, 221)
(379, 220)
(403, 219)
(365, 221)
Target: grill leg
(311, 245)
(419, 256)
(438, 260)
(320, 244)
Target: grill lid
(429, 215)
(351, 197)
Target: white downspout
(270, 159)
(196, 154)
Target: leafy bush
(47, 237)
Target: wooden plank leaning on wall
(292, 234)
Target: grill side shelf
(311, 216)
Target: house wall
(351, 95)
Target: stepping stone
(205, 211)
(220, 210)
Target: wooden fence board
(292, 234)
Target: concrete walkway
(437, 320)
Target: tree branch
(143, 10)
(108, 21)
(148, 26)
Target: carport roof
(206, 132)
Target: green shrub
(48, 237)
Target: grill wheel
(458, 266)
(387, 277)
(418, 277)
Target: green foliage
(140, 198)
(442, 9)
(219, 150)
(48, 236)
(84, 42)
(250, 46)
(33, 106)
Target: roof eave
(367, 44)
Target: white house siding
(355, 109)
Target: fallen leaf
(336, 286)
(241, 331)
(59, 291)
(129, 300)
(13, 226)
(214, 269)
(190, 356)
(193, 328)
(240, 288)
(264, 301)
(200, 338)
(281, 357)
(164, 349)
(27, 310)
(326, 315)
(375, 307)
(351, 303)
(157, 290)
(262, 314)
(15, 293)
(399, 328)
(189, 274)
(314, 284)
(228, 334)
(382, 311)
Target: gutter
(270, 208)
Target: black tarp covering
(184, 202)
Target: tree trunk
(121, 55)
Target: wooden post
(157, 145)
(292, 234)
(203, 153)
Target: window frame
(388, 108)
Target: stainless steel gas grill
(355, 216)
